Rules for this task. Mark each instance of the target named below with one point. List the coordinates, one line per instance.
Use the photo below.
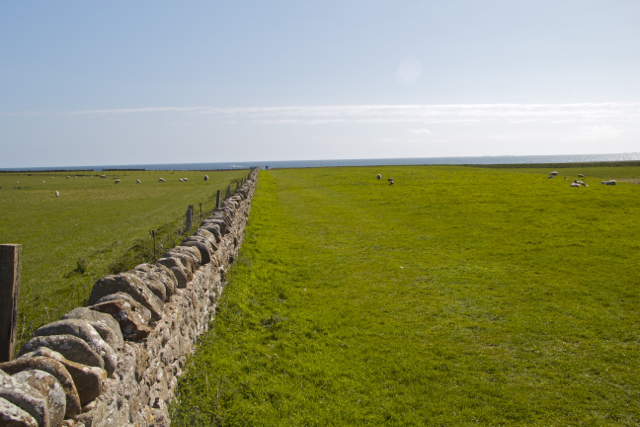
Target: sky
(151, 82)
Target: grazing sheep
(117, 181)
(206, 177)
(550, 176)
(44, 181)
(185, 179)
(612, 182)
(391, 182)
(160, 180)
(554, 173)
(52, 177)
(580, 175)
(181, 180)
(103, 176)
(378, 176)
(67, 176)
(137, 181)
(57, 194)
(575, 184)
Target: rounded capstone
(52, 367)
(25, 397)
(50, 388)
(104, 324)
(87, 379)
(13, 416)
(82, 329)
(69, 346)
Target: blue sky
(90, 83)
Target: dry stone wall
(117, 361)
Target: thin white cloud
(420, 131)
(417, 114)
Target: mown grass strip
(457, 296)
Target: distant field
(458, 296)
(94, 228)
(622, 172)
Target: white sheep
(550, 176)
(612, 182)
(185, 179)
(103, 176)
(575, 184)
(181, 180)
(161, 180)
(554, 173)
(378, 176)
(117, 181)
(137, 181)
(67, 176)
(206, 177)
(52, 177)
(580, 175)
(44, 181)
(390, 182)
(57, 194)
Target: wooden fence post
(217, 199)
(10, 270)
(189, 217)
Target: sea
(478, 160)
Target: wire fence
(144, 250)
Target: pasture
(458, 296)
(95, 227)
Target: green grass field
(458, 296)
(94, 228)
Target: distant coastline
(467, 160)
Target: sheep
(575, 184)
(161, 180)
(612, 182)
(117, 181)
(103, 176)
(185, 179)
(391, 182)
(554, 173)
(137, 181)
(57, 194)
(67, 176)
(17, 182)
(44, 181)
(52, 177)
(206, 177)
(575, 181)
(580, 175)
(550, 176)
(181, 180)
(378, 176)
